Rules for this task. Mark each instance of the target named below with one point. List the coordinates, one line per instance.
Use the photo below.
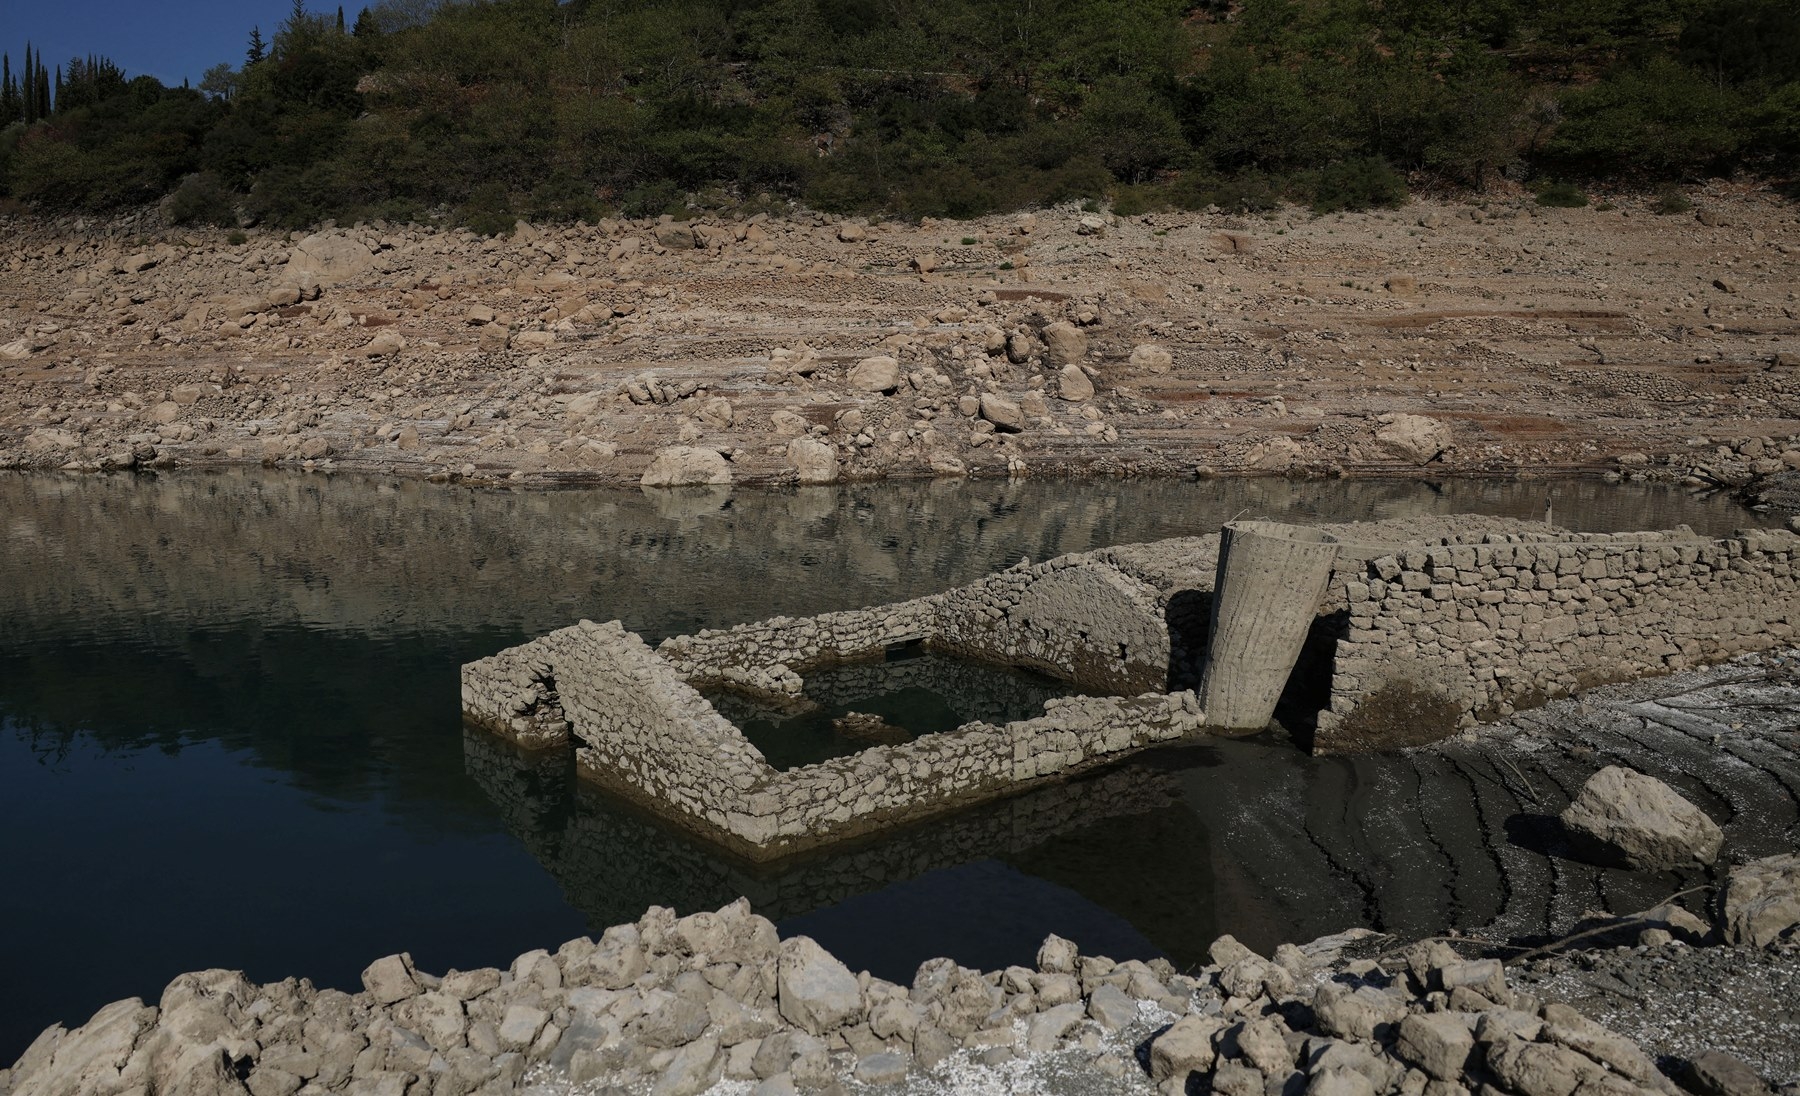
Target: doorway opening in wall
(1308, 691)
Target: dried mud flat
(1448, 338)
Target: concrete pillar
(1271, 577)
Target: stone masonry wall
(1078, 618)
(1431, 628)
(641, 729)
(1488, 628)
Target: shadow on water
(229, 727)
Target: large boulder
(814, 991)
(676, 235)
(814, 461)
(89, 1059)
(1762, 900)
(1151, 358)
(391, 979)
(1064, 344)
(685, 465)
(1715, 1073)
(1185, 1048)
(1412, 438)
(1438, 1043)
(877, 374)
(1625, 818)
(1007, 416)
(327, 258)
(385, 344)
(1073, 385)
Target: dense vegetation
(494, 109)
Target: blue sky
(169, 40)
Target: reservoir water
(230, 734)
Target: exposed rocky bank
(1493, 339)
(675, 1006)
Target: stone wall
(1464, 633)
(1079, 618)
(639, 727)
(1424, 627)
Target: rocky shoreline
(716, 1001)
(1498, 338)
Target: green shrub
(202, 199)
(237, 237)
(1363, 183)
(1130, 201)
(489, 210)
(1562, 196)
(1672, 201)
(653, 200)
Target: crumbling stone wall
(1427, 627)
(1462, 633)
(1079, 618)
(631, 717)
(639, 727)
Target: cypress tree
(43, 103)
(29, 105)
(59, 89)
(9, 101)
(340, 22)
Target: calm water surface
(230, 735)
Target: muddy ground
(1508, 338)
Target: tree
(9, 93)
(366, 27)
(257, 50)
(221, 81)
(340, 19)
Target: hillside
(479, 113)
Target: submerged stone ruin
(1403, 633)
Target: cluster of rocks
(1055, 342)
(672, 1006)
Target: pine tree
(365, 25)
(257, 49)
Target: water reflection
(229, 726)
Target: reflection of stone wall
(1493, 626)
(611, 860)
